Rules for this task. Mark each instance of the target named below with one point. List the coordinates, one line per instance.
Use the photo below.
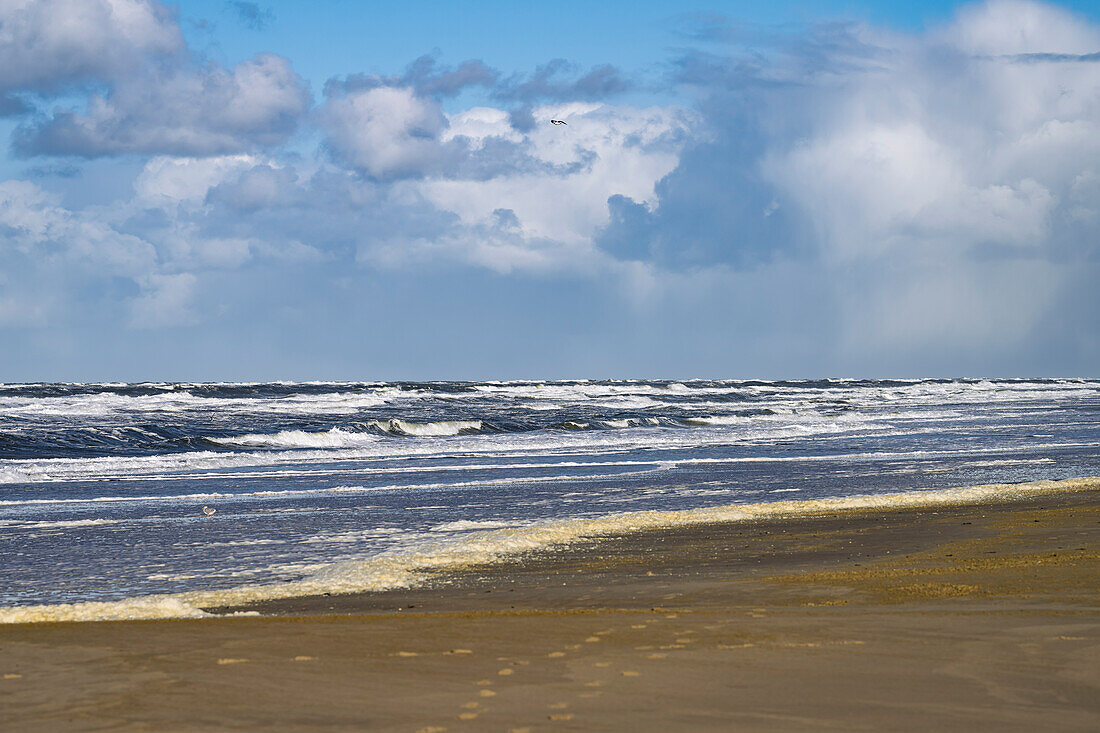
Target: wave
(15, 476)
(343, 438)
(335, 438)
(411, 566)
(65, 524)
(465, 525)
(428, 429)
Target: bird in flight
(558, 122)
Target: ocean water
(332, 487)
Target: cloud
(837, 198)
(604, 151)
(251, 14)
(165, 300)
(147, 92)
(50, 44)
(424, 75)
(553, 82)
(208, 111)
(386, 132)
(936, 181)
(13, 106)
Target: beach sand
(983, 617)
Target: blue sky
(344, 190)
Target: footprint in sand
(637, 626)
(630, 673)
(302, 658)
(603, 664)
(592, 640)
(487, 693)
(467, 716)
(560, 716)
(229, 660)
(506, 671)
(13, 676)
(406, 654)
(555, 655)
(484, 682)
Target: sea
(334, 487)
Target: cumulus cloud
(840, 196)
(386, 132)
(606, 150)
(147, 92)
(181, 111)
(932, 178)
(50, 44)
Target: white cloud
(932, 181)
(603, 151)
(1008, 27)
(180, 111)
(167, 181)
(903, 194)
(386, 132)
(52, 43)
(165, 300)
(37, 227)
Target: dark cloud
(13, 106)
(556, 81)
(1058, 58)
(714, 209)
(62, 170)
(425, 75)
(251, 14)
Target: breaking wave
(412, 566)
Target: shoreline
(389, 573)
(778, 543)
(947, 617)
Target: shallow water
(101, 486)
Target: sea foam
(413, 566)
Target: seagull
(558, 122)
(208, 511)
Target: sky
(231, 190)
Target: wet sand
(981, 617)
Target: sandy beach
(981, 617)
